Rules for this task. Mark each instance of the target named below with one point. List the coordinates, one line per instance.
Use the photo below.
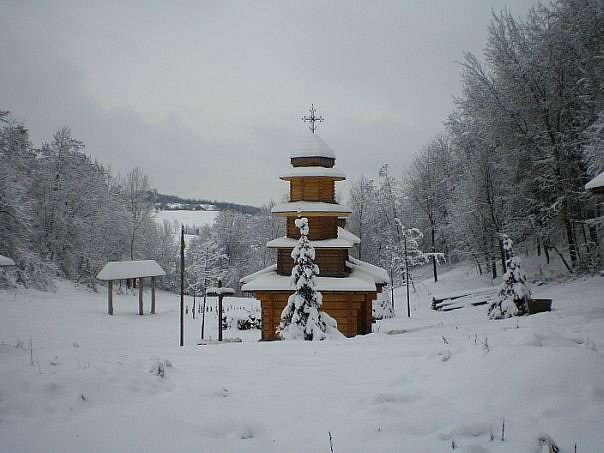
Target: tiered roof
(313, 158)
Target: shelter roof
(120, 270)
(597, 183)
(6, 261)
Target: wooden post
(140, 296)
(110, 297)
(152, 295)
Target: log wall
(319, 228)
(313, 162)
(331, 262)
(312, 189)
(352, 311)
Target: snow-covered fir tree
(514, 293)
(406, 252)
(382, 306)
(302, 318)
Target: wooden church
(348, 285)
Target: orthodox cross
(312, 118)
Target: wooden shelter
(124, 270)
(348, 285)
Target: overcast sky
(207, 96)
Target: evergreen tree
(514, 292)
(301, 318)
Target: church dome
(311, 145)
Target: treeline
(526, 135)
(164, 199)
(64, 214)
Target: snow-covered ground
(191, 219)
(90, 382)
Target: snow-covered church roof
(596, 183)
(311, 207)
(344, 240)
(363, 277)
(313, 172)
(311, 145)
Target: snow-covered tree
(206, 264)
(514, 292)
(136, 190)
(382, 306)
(407, 251)
(302, 318)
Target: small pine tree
(514, 292)
(302, 318)
(382, 306)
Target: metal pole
(407, 278)
(392, 290)
(220, 312)
(434, 258)
(182, 285)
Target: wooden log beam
(110, 297)
(140, 295)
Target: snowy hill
(74, 379)
(192, 220)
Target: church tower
(348, 285)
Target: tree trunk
(572, 249)
(477, 261)
(562, 258)
(493, 266)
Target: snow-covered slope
(93, 382)
(192, 219)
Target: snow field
(192, 219)
(401, 389)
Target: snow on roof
(285, 242)
(363, 277)
(348, 236)
(214, 290)
(345, 240)
(311, 145)
(119, 270)
(596, 183)
(368, 270)
(255, 275)
(271, 281)
(302, 207)
(6, 261)
(313, 172)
